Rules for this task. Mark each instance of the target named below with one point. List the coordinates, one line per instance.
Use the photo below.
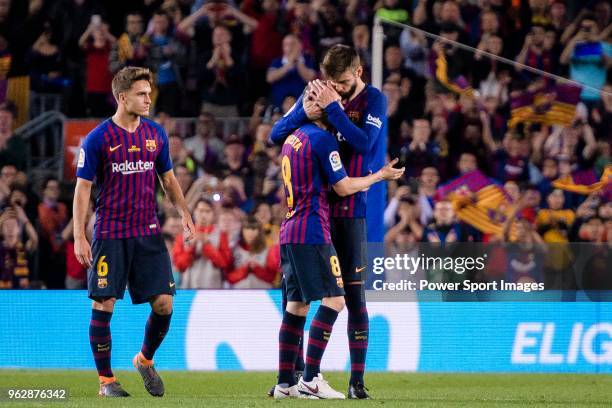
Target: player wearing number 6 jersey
(125, 154)
(310, 163)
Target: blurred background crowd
(220, 60)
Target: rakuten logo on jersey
(128, 167)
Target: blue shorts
(311, 272)
(142, 263)
(350, 240)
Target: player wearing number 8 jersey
(357, 112)
(310, 164)
(125, 154)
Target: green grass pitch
(240, 389)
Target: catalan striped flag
(554, 105)
(574, 184)
(458, 84)
(478, 201)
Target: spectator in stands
(332, 28)
(428, 182)
(17, 202)
(203, 260)
(235, 162)
(289, 74)
(205, 146)
(555, 222)
(300, 22)
(362, 43)
(601, 115)
(414, 51)
(444, 227)
(44, 60)
(263, 214)
(165, 56)
(131, 47)
(179, 154)
(489, 25)
(52, 217)
(393, 68)
(586, 54)
(8, 173)
(558, 17)
(96, 42)
(222, 77)
(12, 149)
(408, 223)
(255, 266)
(422, 151)
(14, 271)
(534, 54)
(490, 76)
(266, 42)
(394, 11)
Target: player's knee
(337, 303)
(162, 305)
(297, 308)
(104, 304)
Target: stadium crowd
(219, 59)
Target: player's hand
(324, 94)
(188, 227)
(82, 251)
(312, 109)
(391, 173)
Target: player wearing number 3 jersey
(310, 164)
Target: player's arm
(173, 192)
(293, 119)
(326, 149)
(361, 140)
(87, 166)
(172, 189)
(80, 207)
(352, 185)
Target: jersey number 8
(286, 170)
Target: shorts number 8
(335, 265)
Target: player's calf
(358, 331)
(319, 334)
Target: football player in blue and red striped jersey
(357, 111)
(125, 154)
(310, 164)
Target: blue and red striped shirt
(310, 164)
(124, 165)
(361, 131)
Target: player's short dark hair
(338, 59)
(125, 78)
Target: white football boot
(319, 388)
(282, 391)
